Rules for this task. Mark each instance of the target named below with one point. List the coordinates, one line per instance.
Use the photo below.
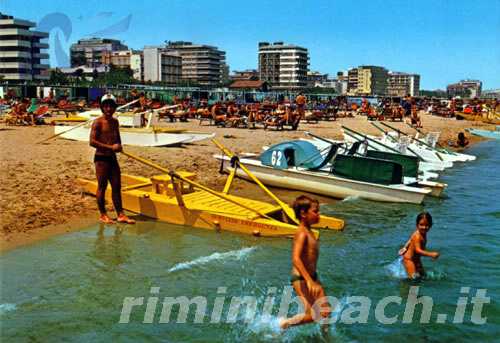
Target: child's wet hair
(303, 203)
(425, 215)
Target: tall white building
(22, 56)
(162, 65)
(283, 66)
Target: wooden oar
(194, 184)
(286, 209)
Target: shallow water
(72, 287)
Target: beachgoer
(301, 101)
(462, 141)
(105, 138)
(304, 277)
(414, 249)
(415, 118)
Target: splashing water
(217, 256)
(396, 269)
(266, 326)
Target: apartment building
(283, 66)
(89, 52)
(22, 50)
(465, 89)
(403, 84)
(201, 64)
(126, 59)
(162, 65)
(367, 80)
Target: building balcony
(43, 56)
(41, 45)
(16, 76)
(15, 32)
(15, 43)
(21, 54)
(15, 65)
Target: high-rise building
(403, 84)
(201, 64)
(367, 80)
(162, 65)
(89, 52)
(465, 89)
(22, 56)
(283, 66)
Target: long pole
(283, 206)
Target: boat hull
(485, 133)
(329, 185)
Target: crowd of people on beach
(283, 114)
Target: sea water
(72, 287)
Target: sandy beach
(40, 198)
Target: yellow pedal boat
(173, 199)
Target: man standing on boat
(105, 138)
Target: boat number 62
(276, 157)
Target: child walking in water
(414, 249)
(304, 277)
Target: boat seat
(202, 200)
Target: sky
(442, 40)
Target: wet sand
(39, 196)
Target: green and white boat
(300, 165)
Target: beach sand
(39, 196)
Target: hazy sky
(443, 41)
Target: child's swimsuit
(296, 277)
